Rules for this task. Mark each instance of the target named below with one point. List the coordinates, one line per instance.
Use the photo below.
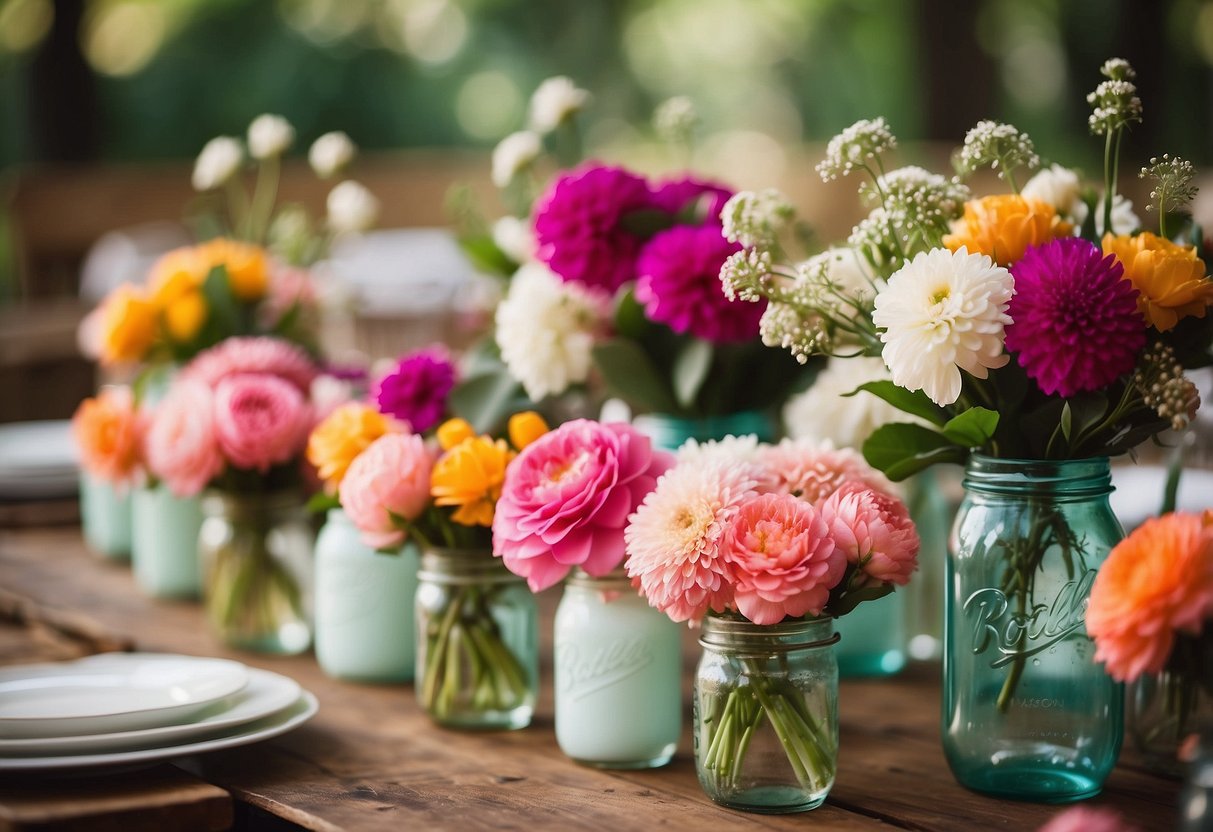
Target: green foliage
(901, 449)
(913, 402)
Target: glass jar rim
(463, 566)
(1075, 478)
(744, 637)
(215, 501)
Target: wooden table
(371, 759)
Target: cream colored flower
(217, 163)
(555, 100)
(514, 154)
(269, 135)
(515, 239)
(825, 412)
(351, 208)
(331, 153)
(1059, 187)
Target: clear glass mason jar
(364, 605)
(1164, 711)
(618, 668)
(164, 543)
(477, 641)
(670, 432)
(1027, 712)
(766, 714)
(256, 552)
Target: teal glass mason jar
(873, 638)
(477, 641)
(1027, 712)
(164, 543)
(618, 668)
(105, 517)
(670, 432)
(766, 714)
(364, 605)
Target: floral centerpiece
(108, 430)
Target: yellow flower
(185, 316)
(341, 436)
(177, 273)
(1004, 226)
(453, 431)
(247, 266)
(1170, 278)
(128, 326)
(470, 476)
(525, 428)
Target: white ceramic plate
(266, 694)
(301, 711)
(37, 459)
(111, 692)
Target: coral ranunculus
(128, 326)
(1003, 227)
(391, 478)
(875, 533)
(180, 445)
(1156, 582)
(470, 476)
(107, 431)
(1171, 279)
(341, 436)
(261, 420)
(567, 498)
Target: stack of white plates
(37, 460)
(130, 708)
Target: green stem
(264, 195)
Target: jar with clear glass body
(1027, 712)
(256, 552)
(477, 641)
(105, 517)
(670, 432)
(1164, 710)
(766, 713)
(164, 543)
(364, 605)
(873, 638)
(618, 674)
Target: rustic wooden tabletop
(371, 759)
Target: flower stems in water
(251, 595)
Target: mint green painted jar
(164, 543)
(105, 517)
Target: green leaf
(972, 428)
(322, 502)
(848, 601)
(486, 256)
(1067, 420)
(691, 370)
(646, 222)
(224, 313)
(914, 402)
(631, 374)
(901, 449)
(486, 400)
(630, 320)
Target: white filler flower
(825, 411)
(331, 153)
(514, 154)
(513, 236)
(555, 100)
(944, 312)
(1057, 186)
(217, 163)
(269, 136)
(546, 330)
(351, 208)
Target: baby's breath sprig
(1173, 188)
(1114, 106)
(756, 218)
(1003, 147)
(855, 147)
(916, 209)
(675, 121)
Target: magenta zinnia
(705, 199)
(1076, 325)
(416, 390)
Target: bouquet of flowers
(767, 534)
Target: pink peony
(567, 498)
(180, 446)
(253, 355)
(260, 420)
(783, 560)
(391, 478)
(874, 531)
(1083, 819)
(815, 470)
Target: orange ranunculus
(342, 436)
(248, 270)
(176, 273)
(525, 428)
(1004, 226)
(1170, 278)
(470, 476)
(108, 432)
(185, 316)
(128, 326)
(453, 431)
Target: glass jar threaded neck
(1058, 478)
(741, 637)
(463, 566)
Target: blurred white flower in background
(1061, 188)
(269, 136)
(513, 155)
(331, 153)
(351, 208)
(554, 101)
(824, 412)
(217, 163)
(675, 119)
(513, 236)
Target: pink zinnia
(579, 230)
(874, 532)
(181, 447)
(260, 420)
(677, 196)
(391, 478)
(678, 284)
(813, 471)
(1076, 325)
(253, 355)
(1084, 819)
(567, 498)
(783, 559)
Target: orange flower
(470, 476)
(1171, 278)
(1157, 581)
(342, 436)
(525, 428)
(453, 431)
(128, 326)
(247, 266)
(1004, 226)
(108, 432)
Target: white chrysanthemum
(515, 238)
(514, 154)
(269, 135)
(217, 163)
(1124, 218)
(546, 330)
(826, 412)
(944, 312)
(1057, 186)
(331, 153)
(730, 448)
(351, 208)
(555, 100)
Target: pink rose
(567, 497)
(783, 560)
(180, 445)
(391, 477)
(875, 532)
(261, 354)
(260, 420)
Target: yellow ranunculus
(525, 428)
(470, 476)
(1004, 226)
(1171, 279)
(341, 436)
(247, 266)
(453, 431)
(128, 326)
(185, 315)
(175, 274)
